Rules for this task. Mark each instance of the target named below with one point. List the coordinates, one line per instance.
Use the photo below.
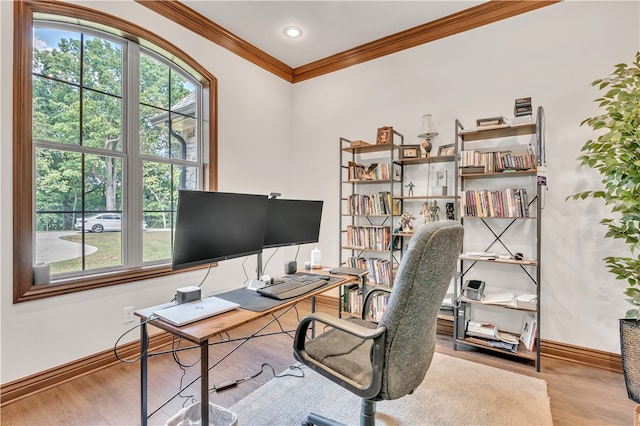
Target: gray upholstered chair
(388, 360)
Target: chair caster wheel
(306, 423)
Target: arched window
(109, 130)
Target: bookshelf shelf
(426, 197)
(479, 135)
(515, 195)
(480, 343)
(500, 175)
(427, 160)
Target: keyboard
(293, 286)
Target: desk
(201, 331)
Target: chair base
(367, 416)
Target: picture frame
(449, 149)
(409, 151)
(529, 330)
(384, 135)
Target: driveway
(50, 248)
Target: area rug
(454, 392)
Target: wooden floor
(579, 395)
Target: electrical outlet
(127, 314)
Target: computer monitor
(292, 222)
(215, 226)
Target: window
(111, 130)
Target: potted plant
(406, 222)
(615, 154)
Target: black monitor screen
(292, 222)
(214, 226)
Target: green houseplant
(615, 154)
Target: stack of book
(492, 123)
(522, 107)
(488, 334)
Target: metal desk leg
(143, 373)
(204, 383)
(313, 323)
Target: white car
(103, 222)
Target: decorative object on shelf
(410, 151)
(434, 211)
(410, 185)
(426, 215)
(449, 209)
(522, 106)
(616, 141)
(427, 132)
(491, 123)
(441, 181)
(358, 143)
(474, 289)
(406, 222)
(448, 149)
(384, 135)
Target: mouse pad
(252, 301)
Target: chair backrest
(423, 277)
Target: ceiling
(329, 27)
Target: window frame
(23, 161)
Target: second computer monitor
(292, 222)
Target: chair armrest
(378, 335)
(339, 323)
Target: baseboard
(26, 386)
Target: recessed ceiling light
(292, 31)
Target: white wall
(265, 124)
(552, 55)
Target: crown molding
(459, 22)
(465, 20)
(199, 24)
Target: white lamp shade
(428, 128)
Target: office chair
(388, 360)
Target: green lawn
(157, 246)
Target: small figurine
(410, 186)
(434, 211)
(425, 212)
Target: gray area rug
(454, 392)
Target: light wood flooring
(579, 395)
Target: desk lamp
(427, 131)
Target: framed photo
(447, 149)
(529, 330)
(409, 151)
(384, 135)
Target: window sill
(89, 282)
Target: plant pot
(630, 351)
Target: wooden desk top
(200, 331)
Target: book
(482, 329)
